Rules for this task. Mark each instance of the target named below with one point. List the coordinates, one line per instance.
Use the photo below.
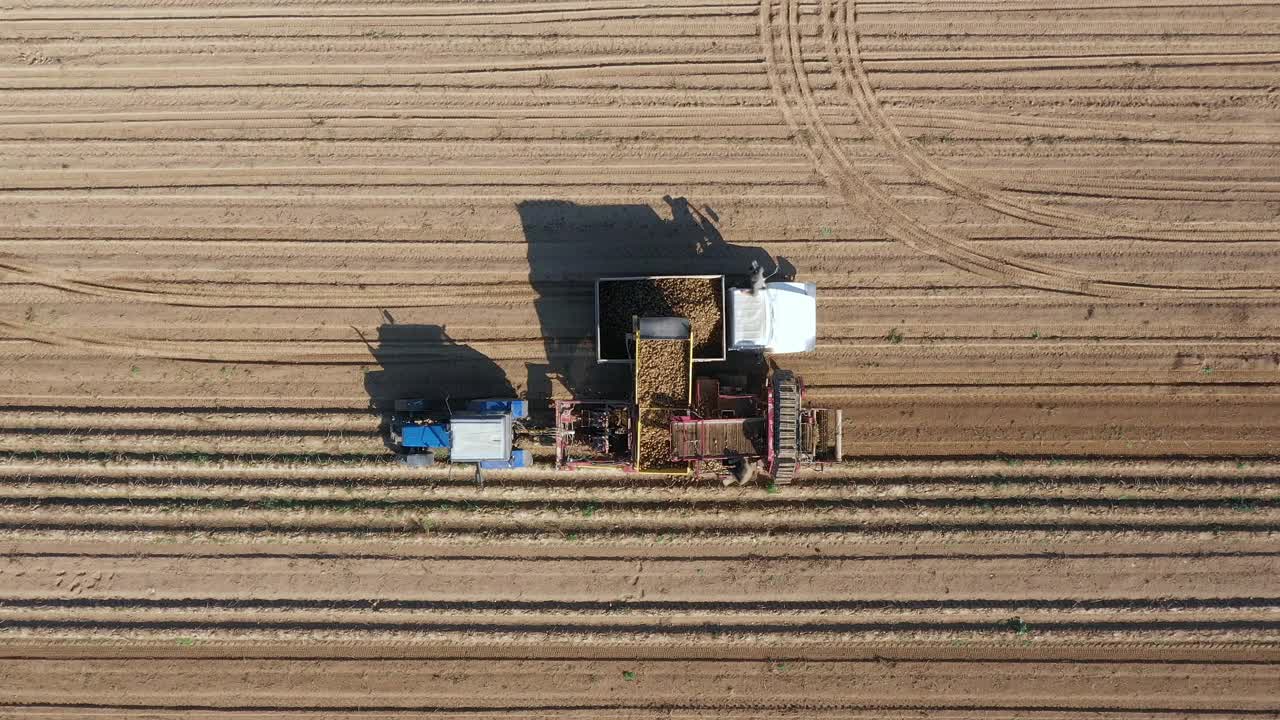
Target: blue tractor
(483, 433)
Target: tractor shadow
(422, 361)
(571, 245)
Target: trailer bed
(699, 298)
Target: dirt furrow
(646, 688)
(907, 575)
(871, 477)
(591, 519)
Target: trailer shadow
(571, 245)
(422, 361)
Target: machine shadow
(422, 361)
(571, 245)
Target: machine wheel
(420, 460)
(744, 471)
(786, 427)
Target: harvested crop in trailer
(699, 300)
(662, 373)
(655, 440)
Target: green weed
(1019, 626)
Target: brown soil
(700, 301)
(636, 631)
(126, 581)
(523, 679)
(662, 373)
(1045, 236)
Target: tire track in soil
(833, 29)
(250, 351)
(840, 32)
(104, 344)
(789, 79)
(66, 283)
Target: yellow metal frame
(640, 409)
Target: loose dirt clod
(662, 373)
(700, 300)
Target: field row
(299, 685)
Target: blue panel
(519, 459)
(425, 436)
(518, 409)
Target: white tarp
(480, 437)
(781, 319)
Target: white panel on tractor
(480, 437)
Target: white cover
(782, 319)
(750, 326)
(480, 437)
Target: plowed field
(1047, 241)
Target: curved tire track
(840, 31)
(781, 40)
